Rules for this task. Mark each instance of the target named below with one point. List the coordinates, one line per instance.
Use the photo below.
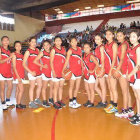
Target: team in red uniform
(74, 62)
(5, 72)
(57, 61)
(34, 73)
(90, 64)
(44, 55)
(18, 73)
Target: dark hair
(89, 44)
(32, 39)
(100, 35)
(121, 31)
(4, 37)
(57, 37)
(110, 30)
(16, 43)
(73, 37)
(44, 41)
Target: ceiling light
(60, 12)
(100, 6)
(76, 9)
(133, 1)
(87, 8)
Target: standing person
(90, 64)
(134, 73)
(111, 49)
(5, 73)
(123, 68)
(34, 73)
(18, 73)
(103, 62)
(74, 60)
(57, 60)
(44, 55)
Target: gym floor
(65, 124)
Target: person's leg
(9, 88)
(109, 87)
(31, 90)
(55, 91)
(102, 82)
(60, 92)
(77, 86)
(87, 90)
(39, 87)
(138, 100)
(124, 87)
(97, 89)
(51, 89)
(17, 91)
(2, 91)
(20, 92)
(71, 86)
(44, 87)
(92, 94)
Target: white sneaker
(71, 104)
(131, 113)
(123, 114)
(75, 104)
(9, 103)
(4, 106)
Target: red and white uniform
(32, 66)
(124, 67)
(109, 54)
(46, 60)
(75, 62)
(88, 65)
(19, 66)
(106, 59)
(135, 79)
(59, 61)
(5, 68)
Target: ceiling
(81, 4)
(38, 8)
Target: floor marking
(38, 110)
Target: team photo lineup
(113, 59)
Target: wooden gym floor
(66, 124)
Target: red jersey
(75, 61)
(32, 66)
(19, 66)
(46, 60)
(5, 68)
(106, 59)
(109, 52)
(88, 65)
(124, 67)
(132, 63)
(59, 61)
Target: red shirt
(5, 68)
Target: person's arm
(102, 59)
(136, 68)
(92, 58)
(26, 55)
(67, 60)
(14, 68)
(37, 59)
(51, 61)
(6, 59)
(115, 51)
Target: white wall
(126, 21)
(80, 26)
(24, 28)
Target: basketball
(67, 74)
(98, 71)
(119, 74)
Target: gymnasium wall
(24, 28)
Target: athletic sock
(7, 100)
(111, 102)
(3, 102)
(115, 104)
